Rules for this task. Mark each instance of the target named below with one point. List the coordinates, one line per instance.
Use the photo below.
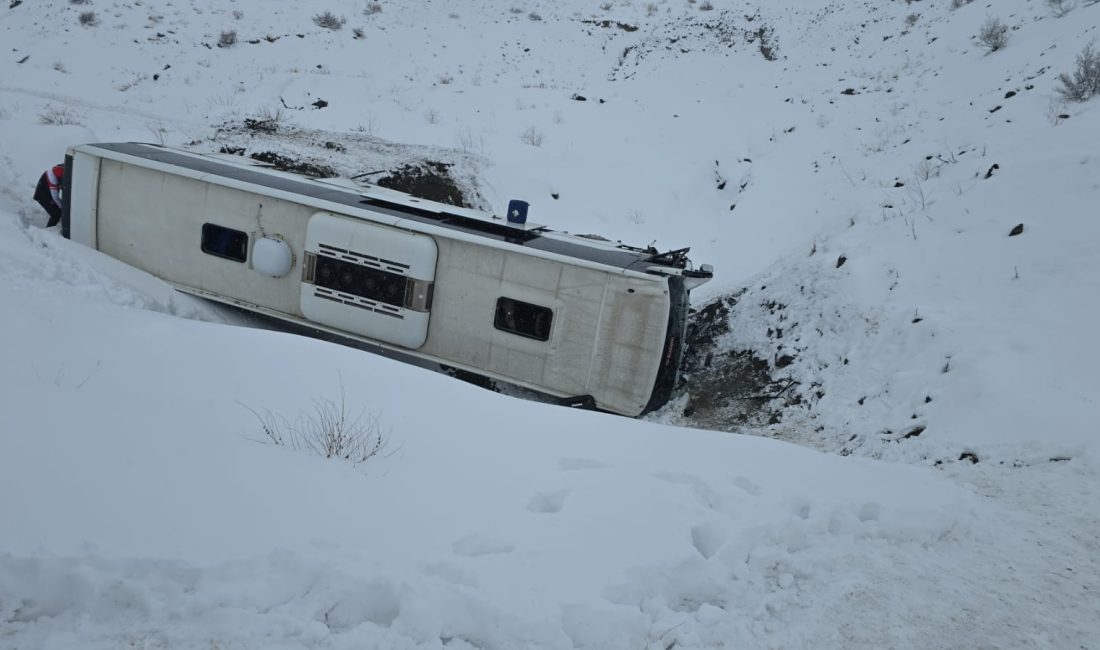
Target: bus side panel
(154, 220)
(630, 341)
(473, 278)
(605, 339)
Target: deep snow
(144, 508)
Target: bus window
(224, 242)
(523, 318)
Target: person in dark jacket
(48, 192)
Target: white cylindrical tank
(272, 256)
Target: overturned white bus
(591, 322)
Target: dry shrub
(1084, 83)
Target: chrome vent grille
(362, 259)
(348, 278)
(357, 301)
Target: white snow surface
(143, 506)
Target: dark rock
(989, 173)
(840, 261)
(579, 98)
(1016, 230)
(320, 103)
(1010, 94)
(784, 361)
(970, 456)
(914, 432)
(848, 91)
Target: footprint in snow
(708, 538)
(478, 544)
(868, 512)
(547, 502)
(747, 485)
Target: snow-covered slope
(851, 169)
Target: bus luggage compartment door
(368, 279)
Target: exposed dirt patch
(287, 164)
(607, 24)
(728, 388)
(717, 32)
(428, 173)
(427, 180)
(262, 125)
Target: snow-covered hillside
(852, 169)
